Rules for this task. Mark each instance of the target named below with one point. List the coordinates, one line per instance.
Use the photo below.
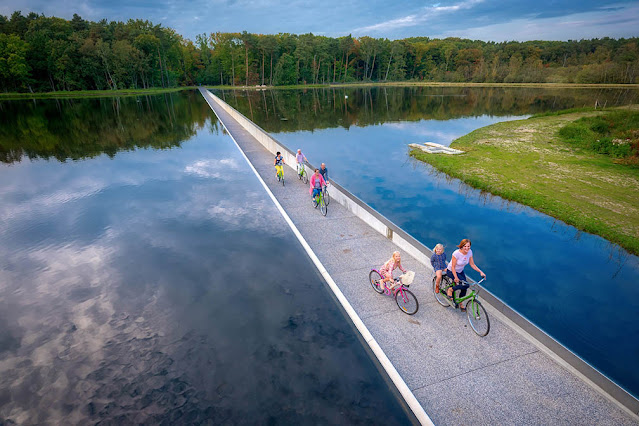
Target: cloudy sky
(476, 19)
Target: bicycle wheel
(376, 281)
(406, 301)
(304, 176)
(477, 317)
(327, 198)
(323, 208)
(282, 180)
(441, 296)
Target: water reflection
(85, 128)
(579, 288)
(314, 109)
(163, 287)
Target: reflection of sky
(166, 284)
(438, 131)
(548, 271)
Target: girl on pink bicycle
(387, 269)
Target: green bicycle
(319, 200)
(280, 175)
(477, 315)
(301, 173)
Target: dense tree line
(39, 53)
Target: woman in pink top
(317, 183)
(455, 270)
(387, 268)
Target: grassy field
(559, 164)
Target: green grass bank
(91, 93)
(557, 164)
(154, 91)
(435, 84)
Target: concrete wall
(419, 251)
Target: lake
(146, 277)
(579, 288)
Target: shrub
(615, 134)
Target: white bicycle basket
(407, 278)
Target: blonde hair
(438, 245)
(392, 258)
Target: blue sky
(475, 19)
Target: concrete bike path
(458, 377)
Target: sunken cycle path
(457, 377)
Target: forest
(42, 54)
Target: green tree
(285, 71)
(14, 69)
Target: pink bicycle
(405, 299)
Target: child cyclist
(438, 260)
(387, 269)
(278, 162)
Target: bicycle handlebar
(475, 283)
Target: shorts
(461, 275)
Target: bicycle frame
(473, 294)
(319, 197)
(387, 290)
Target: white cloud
(45, 201)
(415, 19)
(614, 22)
(213, 169)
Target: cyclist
(278, 162)
(455, 270)
(317, 182)
(387, 269)
(324, 172)
(299, 159)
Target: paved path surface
(458, 377)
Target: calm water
(147, 285)
(579, 288)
